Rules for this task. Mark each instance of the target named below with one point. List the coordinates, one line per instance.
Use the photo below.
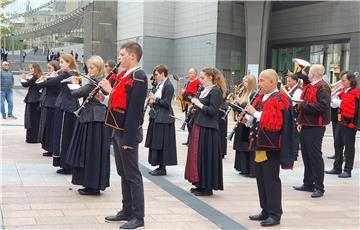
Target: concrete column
(100, 30)
(257, 20)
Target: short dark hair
(111, 63)
(294, 77)
(351, 76)
(133, 48)
(161, 69)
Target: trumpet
(231, 135)
(94, 92)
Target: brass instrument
(182, 104)
(238, 90)
(300, 65)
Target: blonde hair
(68, 58)
(217, 78)
(99, 63)
(250, 88)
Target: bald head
(192, 74)
(268, 80)
(5, 65)
(316, 72)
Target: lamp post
(12, 44)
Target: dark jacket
(316, 114)
(50, 93)
(162, 105)
(33, 94)
(94, 110)
(7, 80)
(208, 115)
(65, 101)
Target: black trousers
(127, 166)
(311, 139)
(334, 127)
(269, 185)
(296, 142)
(344, 138)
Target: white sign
(253, 69)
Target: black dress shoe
(192, 190)
(88, 191)
(258, 217)
(153, 171)
(344, 175)
(317, 193)
(269, 222)
(333, 171)
(303, 188)
(203, 192)
(47, 154)
(133, 223)
(120, 216)
(331, 157)
(64, 171)
(160, 172)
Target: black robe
(223, 127)
(161, 137)
(32, 110)
(64, 121)
(204, 161)
(89, 150)
(47, 104)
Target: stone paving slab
(33, 196)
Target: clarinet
(94, 92)
(231, 135)
(189, 118)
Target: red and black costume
(314, 115)
(126, 115)
(346, 130)
(272, 139)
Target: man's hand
(250, 109)
(100, 96)
(105, 85)
(126, 147)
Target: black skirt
(31, 122)
(89, 155)
(161, 141)
(68, 124)
(223, 134)
(46, 128)
(244, 159)
(56, 136)
(209, 160)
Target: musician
(295, 91)
(349, 103)
(244, 157)
(271, 140)
(89, 148)
(109, 65)
(334, 112)
(160, 138)
(47, 104)
(65, 119)
(126, 102)
(314, 115)
(190, 91)
(204, 162)
(32, 112)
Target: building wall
(230, 48)
(325, 21)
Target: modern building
(238, 37)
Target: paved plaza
(34, 196)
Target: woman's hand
(250, 109)
(75, 80)
(197, 102)
(100, 96)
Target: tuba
(300, 65)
